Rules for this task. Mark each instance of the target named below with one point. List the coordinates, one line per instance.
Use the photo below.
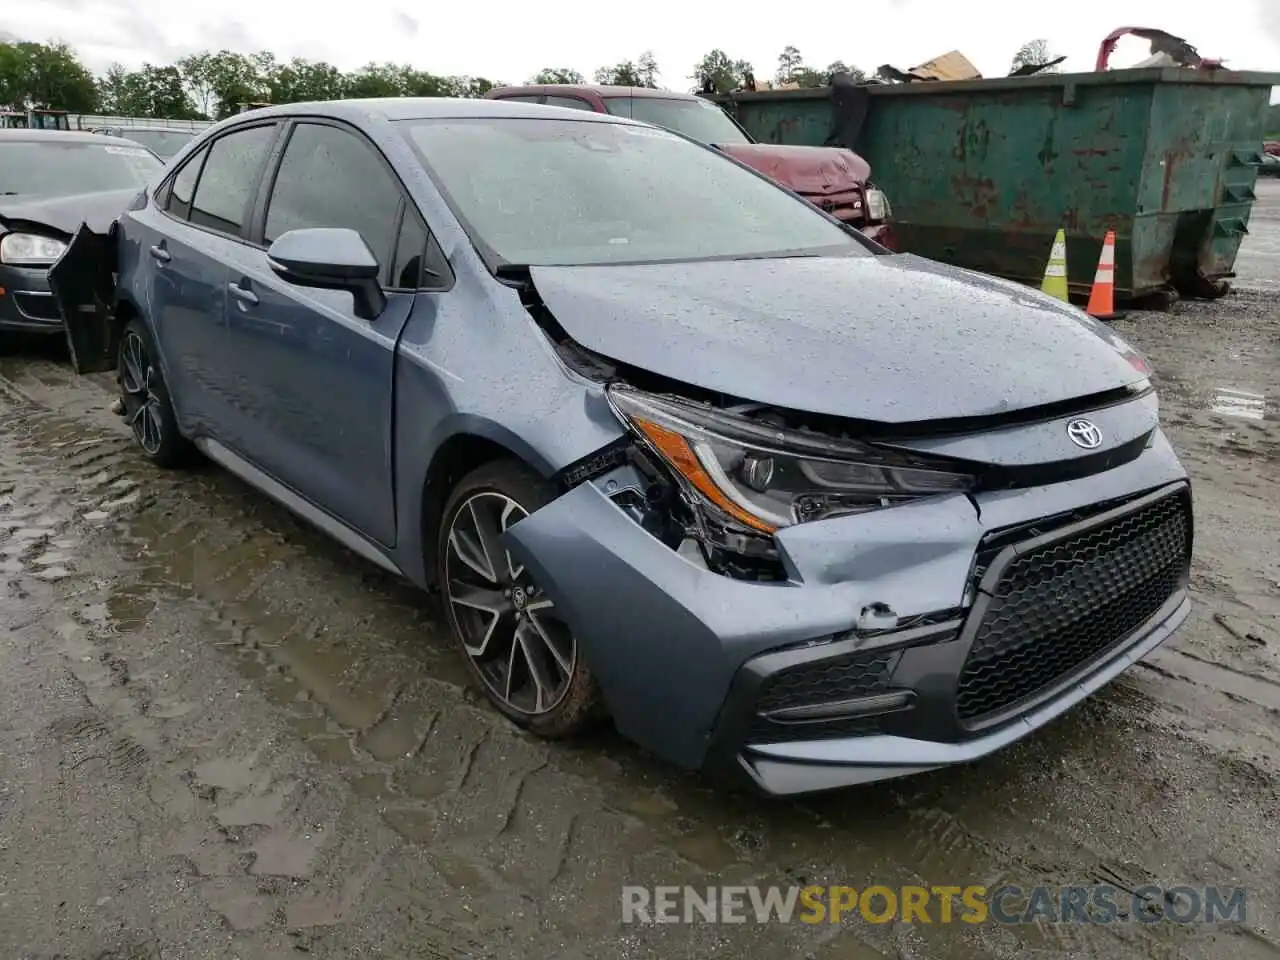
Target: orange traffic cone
(1102, 298)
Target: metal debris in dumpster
(983, 173)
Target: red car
(833, 178)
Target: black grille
(821, 681)
(1057, 607)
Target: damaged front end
(760, 592)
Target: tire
(502, 622)
(145, 397)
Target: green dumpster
(983, 173)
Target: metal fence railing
(85, 121)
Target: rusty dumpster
(982, 173)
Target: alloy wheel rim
(141, 401)
(509, 627)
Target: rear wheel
(144, 399)
(519, 650)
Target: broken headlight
(30, 249)
(766, 478)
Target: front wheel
(519, 650)
(144, 399)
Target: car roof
(602, 90)
(422, 108)
(64, 136)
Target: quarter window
(406, 271)
(183, 186)
(229, 179)
(330, 178)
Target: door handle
(244, 296)
(161, 254)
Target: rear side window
(329, 177)
(574, 103)
(183, 187)
(229, 179)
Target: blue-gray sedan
(674, 446)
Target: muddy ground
(222, 736)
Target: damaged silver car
(675, 447)
(51, 182)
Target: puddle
(1231, 402)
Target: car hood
(892, 339)
(65, 214)
(810, 171)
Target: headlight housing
(30, 249)
(765, 478)
(877, 205)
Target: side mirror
(330, 258)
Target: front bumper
(26, 303)
(682, 653)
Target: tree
(148, 92)
(624, 74)
(45, 75)
(219, 82)
(558, 75)
(808, 78)
(630, 73)
(376, 80)
(790, 63)
(472, 86)
(647, 70)
(301, 80)
(1032, 54)
(716, 73)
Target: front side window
(698, 119)
(229, 179)
(329, 177)
(573, 192)
(64, 168)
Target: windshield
(52, 168)
(564, 192)
(163, 143)
(700, 120)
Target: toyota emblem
(1084, 433)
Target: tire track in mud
(532, 841)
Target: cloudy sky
(507, 40)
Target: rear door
(317, 377)
(202, 215)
